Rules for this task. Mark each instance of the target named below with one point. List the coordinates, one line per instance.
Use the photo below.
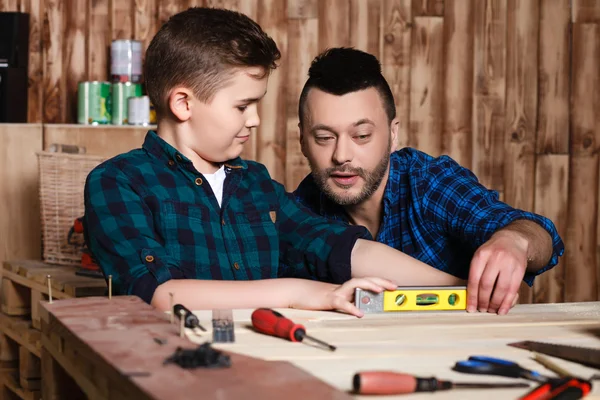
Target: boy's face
(347, 141)
(222, 126)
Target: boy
(185, 215)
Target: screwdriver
(389, 382)
(272, 323)
(191, 320)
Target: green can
(93, 103)
(121, 92)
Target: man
(430, 208)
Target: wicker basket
(62, 180)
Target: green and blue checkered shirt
(151, 217)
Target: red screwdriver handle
(272, 323)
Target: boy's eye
(242, 108)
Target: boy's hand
(326, 296)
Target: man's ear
(394, 126)
(301, 138)
(180, 103)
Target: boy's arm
(119, 230)
(336, 252)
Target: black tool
(191, 320)
(203, 356)
(582, 355)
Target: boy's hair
(200, 49)
(343, 70)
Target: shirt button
(171, 163)
(178, 157)
(198, 181)
(149, 258)
(223, 222)
(236, 265)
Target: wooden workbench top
(424, 343)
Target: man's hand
(325, 296)
(496, 272)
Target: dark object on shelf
(14, 56)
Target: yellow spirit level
(412, 298)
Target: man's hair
(343, 70)
(200, 49)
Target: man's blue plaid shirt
(435, 211)
(151, 217)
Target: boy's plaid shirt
(151, 217)
(435, 211)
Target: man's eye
(363, 137)
(324, 138)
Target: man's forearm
(376, 259)
(539, 242)
(205, 295)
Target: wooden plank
(521, 107)
(302, 42)
(300, 9)
(35, 91)
(365, 21)
(74, 54)
(145, 21)
(121, 19)
(9, 5)
(166, 9)
(228, 4)
(19, 329)
(9, 352)
(271, 147)
(57, 384)
(551, 201)
(554, 70)
(20, 222)
(54, 102)
(334, 24)
(16, 299)
(426, 82)
(30, 371)
(11, 381)
(396, 48)
(489, 90)
(586, 11)
(430, 8)
(98, 40)
(458, 81)
(108, 141)
(114, 355)
(582, 283)
(40, 287)
(36, 298)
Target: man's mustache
(345, 169)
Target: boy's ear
(180, 103)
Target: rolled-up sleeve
(120, 234)
(454, 199)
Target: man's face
(347, 141)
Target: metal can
(120, 93)
(93, 103)
(126, 61)
(139, 110)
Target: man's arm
(535, 238)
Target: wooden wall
(509, 88)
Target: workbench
(109, 347)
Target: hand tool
(190, 319)
(389, 382)
(567, 388)
(272, 323)
(412, 298)
(223, 329)
(497, 366)
(582, 355)
(546, 362)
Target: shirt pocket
(185, 228)
(259, 244)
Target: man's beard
(372, 181)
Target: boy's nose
(253, 119)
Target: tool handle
(486, 368)
(568, 388)
(388, 382)
(270, 322)
(190, 319)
